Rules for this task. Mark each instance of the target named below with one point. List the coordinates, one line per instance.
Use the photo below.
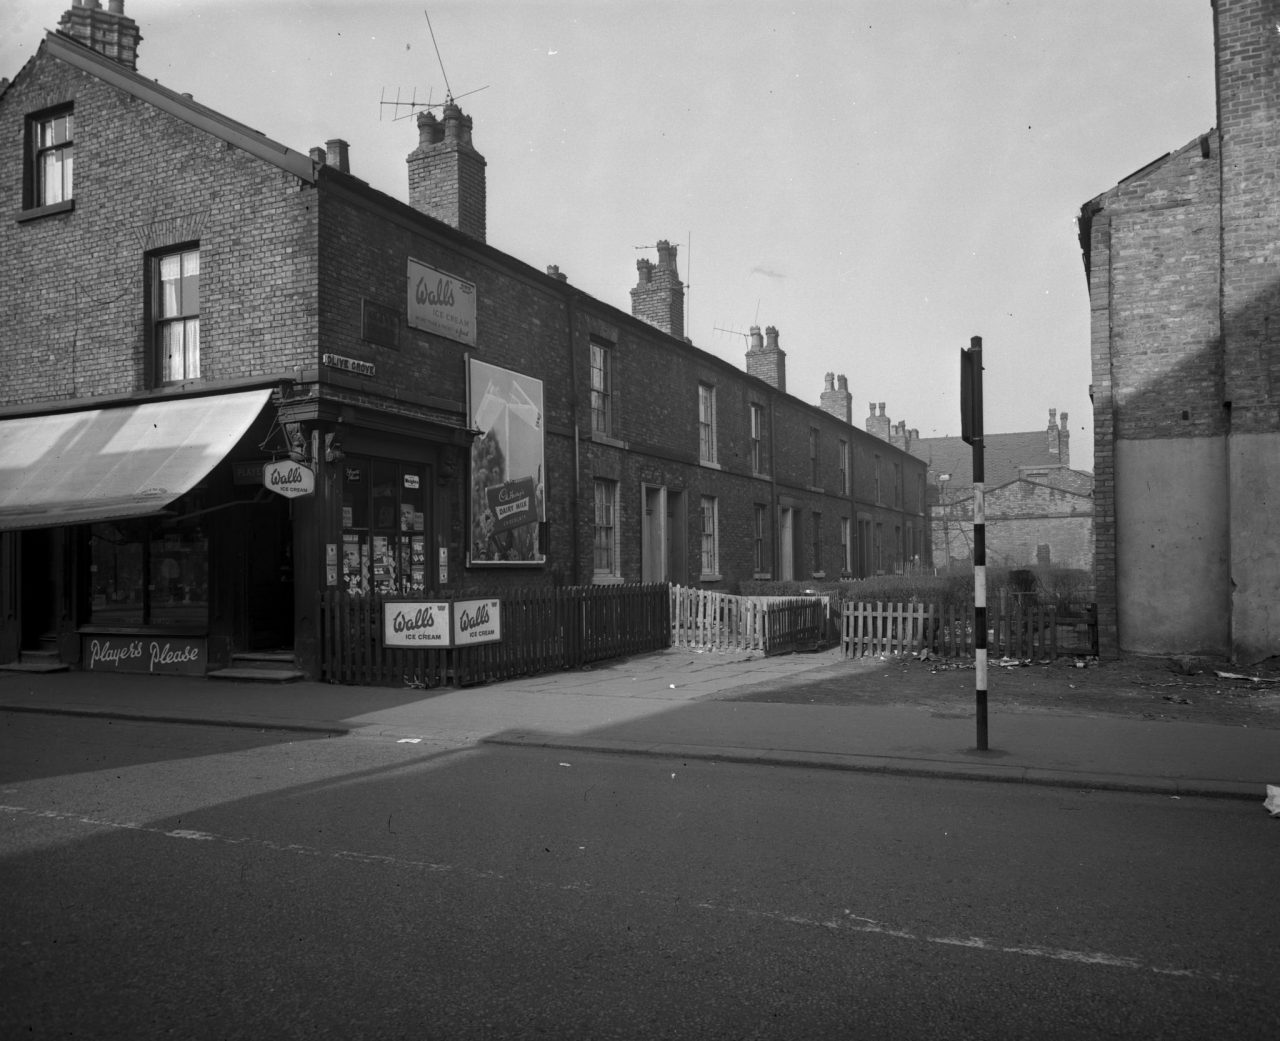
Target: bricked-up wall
(73, 284)
(1026, 521)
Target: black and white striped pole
(971, 432)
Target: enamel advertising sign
(441, 303)
(287, 478)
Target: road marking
(849, 922)
(845, 922)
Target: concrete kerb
(948, 770)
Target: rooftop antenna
(412, 103)
(688, 270)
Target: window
(877, 477)
(606, 528)
(706, 423)
(176, 303)
(761, 529)
(757, 439)
(152, 571)
(844, 467)
(710, 538)
(384, 541)
(817, 543)
(813, 457)
(601, 395)
(846, 545)
(52, 158)
(897, 485)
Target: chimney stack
(878, 424)
(836, 398)
(658, 297)
(767, 361)
(108, 32)
(446, 173)
(336, 153)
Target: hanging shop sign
(433, 624)
(287, 478)
(441, 303)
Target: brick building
(239, 379)
(1184, 291)
(1039, 511)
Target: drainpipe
(577, 450)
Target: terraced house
(238, 378)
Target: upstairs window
(52, 158)
(814, 475)
(757, 439)
(176, 297)
(601, 393)
(706, 423)
(844, 467)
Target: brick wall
(73, 285)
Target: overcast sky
(880, 179)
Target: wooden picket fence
(711, 621)
(543, 630)
(1015, 629)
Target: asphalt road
(163, 881)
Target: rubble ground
(1184, 688)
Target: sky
(880, 180)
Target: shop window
(176, 312)
(51, 159)
(152, 572)
(384, 507)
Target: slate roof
(1003, 454)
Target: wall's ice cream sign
(441, 303)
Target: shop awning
(109, 463)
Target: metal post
(971, 431)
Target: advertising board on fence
(435, 624)
(415, 623)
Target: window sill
(819, 575)
(710, 578)
(762, 576)
(36, 212)
(604, 439)
(710, 464)
(606, 580)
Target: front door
(269, 582)
(38, 564)
(653, 538)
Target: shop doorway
(38, 581)
(269, 579)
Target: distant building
(1184, 289)
(1039, 511)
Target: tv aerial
(399, 103)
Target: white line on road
(846, 922)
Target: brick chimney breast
(108, 32)
(767, 361)
(447, 174)
(336, 153)
(658, 297)
(836, 399)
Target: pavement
(678, 703)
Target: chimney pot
(1064, 421)
(318, 156)
(842, 382)
(882, 408)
